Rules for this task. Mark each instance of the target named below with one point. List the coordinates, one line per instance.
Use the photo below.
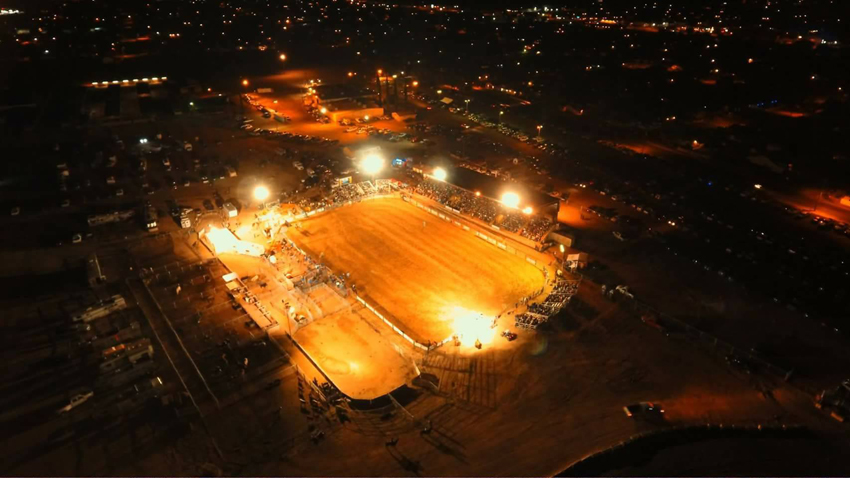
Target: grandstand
(534, 226)
(493, 188)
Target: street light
(244, 82)
(539, 127)
(563, 252)
(282, 57)
(415, 83)
(528, 210)
(439, 92)
(440, 174)
(467, 105)
(500, 116)
(324, 110)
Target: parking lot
(69, 390)
(220, 337)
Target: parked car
(76, 401)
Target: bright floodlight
(470, 326)
(440, 174)
(261, 193)
(372, 164)
(527, 210)
(511, 200)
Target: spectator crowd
(530, 226)
(540, 312)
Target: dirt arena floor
(362, 362)
(423, 277)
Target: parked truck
(117, 216)
(186, 218)
(150, 218)
(125, 334)
(100, 309)
(128, 375)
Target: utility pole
(378, 84)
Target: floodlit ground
(356, 353)
(424, 277)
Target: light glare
(511, 200)
(261, 193)
(372, 164)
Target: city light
(282, 57)
(372, 164)
(757, 186)
(244, 82)
(324, 110)
(440, 174)
(477, 193)
(261, 193)
(511, 200)
(527, 210)
(366, 117)
(415, 83)
(439, 92)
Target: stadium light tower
(261, 193)
(440, 174)
(372, 164)
(511, 200)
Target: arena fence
(397, 330)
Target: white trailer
(101, 309)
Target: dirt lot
(419, 275)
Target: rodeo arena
(281, 248)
